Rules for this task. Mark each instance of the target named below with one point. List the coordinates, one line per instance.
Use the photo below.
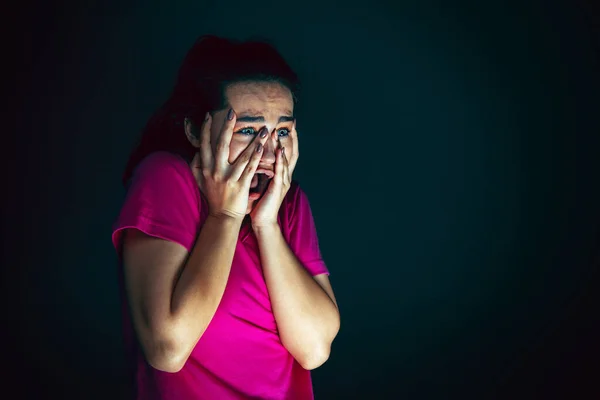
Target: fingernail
(264, 132)
(230, 114)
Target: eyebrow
(260, 118)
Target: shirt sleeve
(303, 239)
(162, 201)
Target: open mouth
(260, 181)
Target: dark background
(449, 150)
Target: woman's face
(257, 105)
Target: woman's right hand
(226, 185)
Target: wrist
(266, 229)
(226, 218)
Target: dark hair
(209, 67)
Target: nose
(268, 156)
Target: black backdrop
(449, 150)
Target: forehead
(260, 98)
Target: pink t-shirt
(240, 355)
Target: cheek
(286, 142)
(236, 147)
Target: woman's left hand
(266, 210)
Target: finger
(295, 150)
(251, 166)
(222, 149)
(294, 135)
(250, 155)
(196, 165)
(278, 178)
(287, 177)
(197, 171)
(206, 157)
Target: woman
(226, 295)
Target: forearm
(201, 285)
(307, 318)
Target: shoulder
(163, 169)
(161, 174)
(162, 163)
(295, 194)
(162, 200)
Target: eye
(283, 132)
(247, 131)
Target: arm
(172, 296)
(304, 307)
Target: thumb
(196, 167)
